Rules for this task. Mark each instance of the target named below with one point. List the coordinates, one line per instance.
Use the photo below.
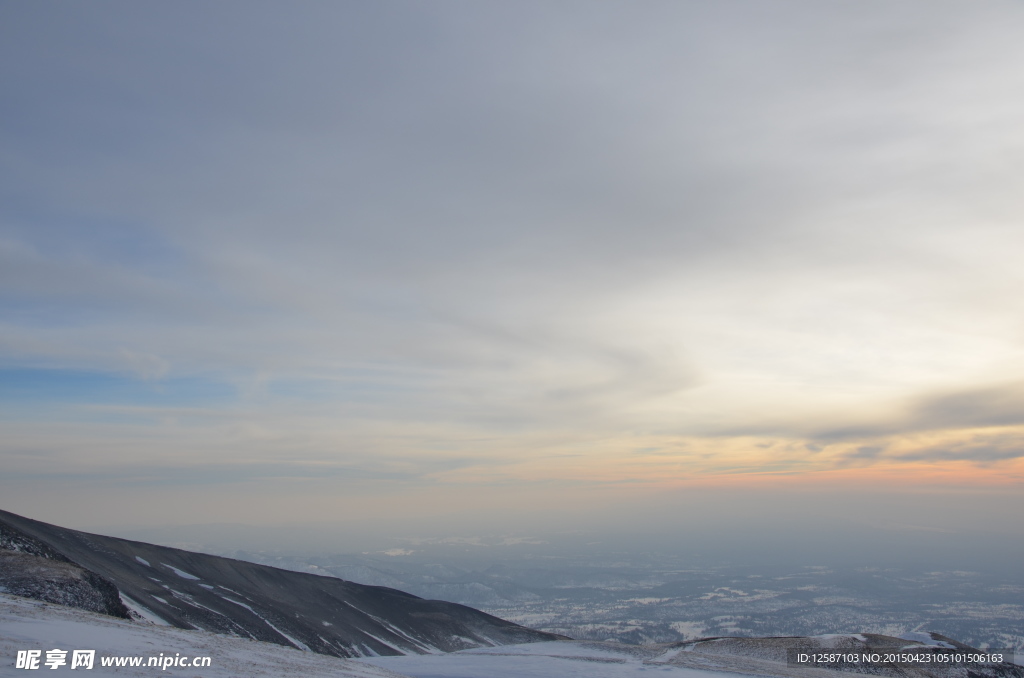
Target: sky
(512, 265)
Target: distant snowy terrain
(657, 597)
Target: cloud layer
(532, 244)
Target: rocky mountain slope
(197, 591)
(27, 624)
(30, 568)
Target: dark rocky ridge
(30, 568)
(194, 590)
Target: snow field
(30, 625)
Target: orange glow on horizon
(916, 460)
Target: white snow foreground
(27, 624)
(552, 659)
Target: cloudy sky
(306, 261)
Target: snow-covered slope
(199, 591)
(31, 625)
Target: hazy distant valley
(655, 597)
(126, 597)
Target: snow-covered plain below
(651, 596)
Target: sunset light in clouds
(292, 262)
